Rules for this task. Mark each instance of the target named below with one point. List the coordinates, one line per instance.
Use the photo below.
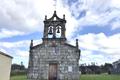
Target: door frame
(53, 64)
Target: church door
(52, 71)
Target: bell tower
(54, 58)
(54, 28)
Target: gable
(1, 53)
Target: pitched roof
(2, 53)
(70, 45)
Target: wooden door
(52, 71)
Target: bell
(58, 31)
(50, 31)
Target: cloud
(96, 12)
(24, 54)
(115, 3)
(26, 16)
(14, 45)
(19, 50)
(89, 57)
(99, 41)
(99, 47)
(19, 17)
(115, 25)
(9, 33)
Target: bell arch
(54, 27)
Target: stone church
(54, 58)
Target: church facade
(54, 58)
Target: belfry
(54, 58)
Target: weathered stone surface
(54, 51)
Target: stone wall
(64, 55)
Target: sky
(95, 23)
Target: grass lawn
(19, 77)
(100, 77)
(83, 77)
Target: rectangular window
(70, 68)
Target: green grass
(100, 77)
(19, 77)
(83, 77)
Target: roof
(55, 17)
(70, 45)
(2, 53)
(67, 44)
(38, 45)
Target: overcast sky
(96, 23)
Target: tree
(108, 67)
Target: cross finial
(31, 44)
(77, 43)
(55, 3)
